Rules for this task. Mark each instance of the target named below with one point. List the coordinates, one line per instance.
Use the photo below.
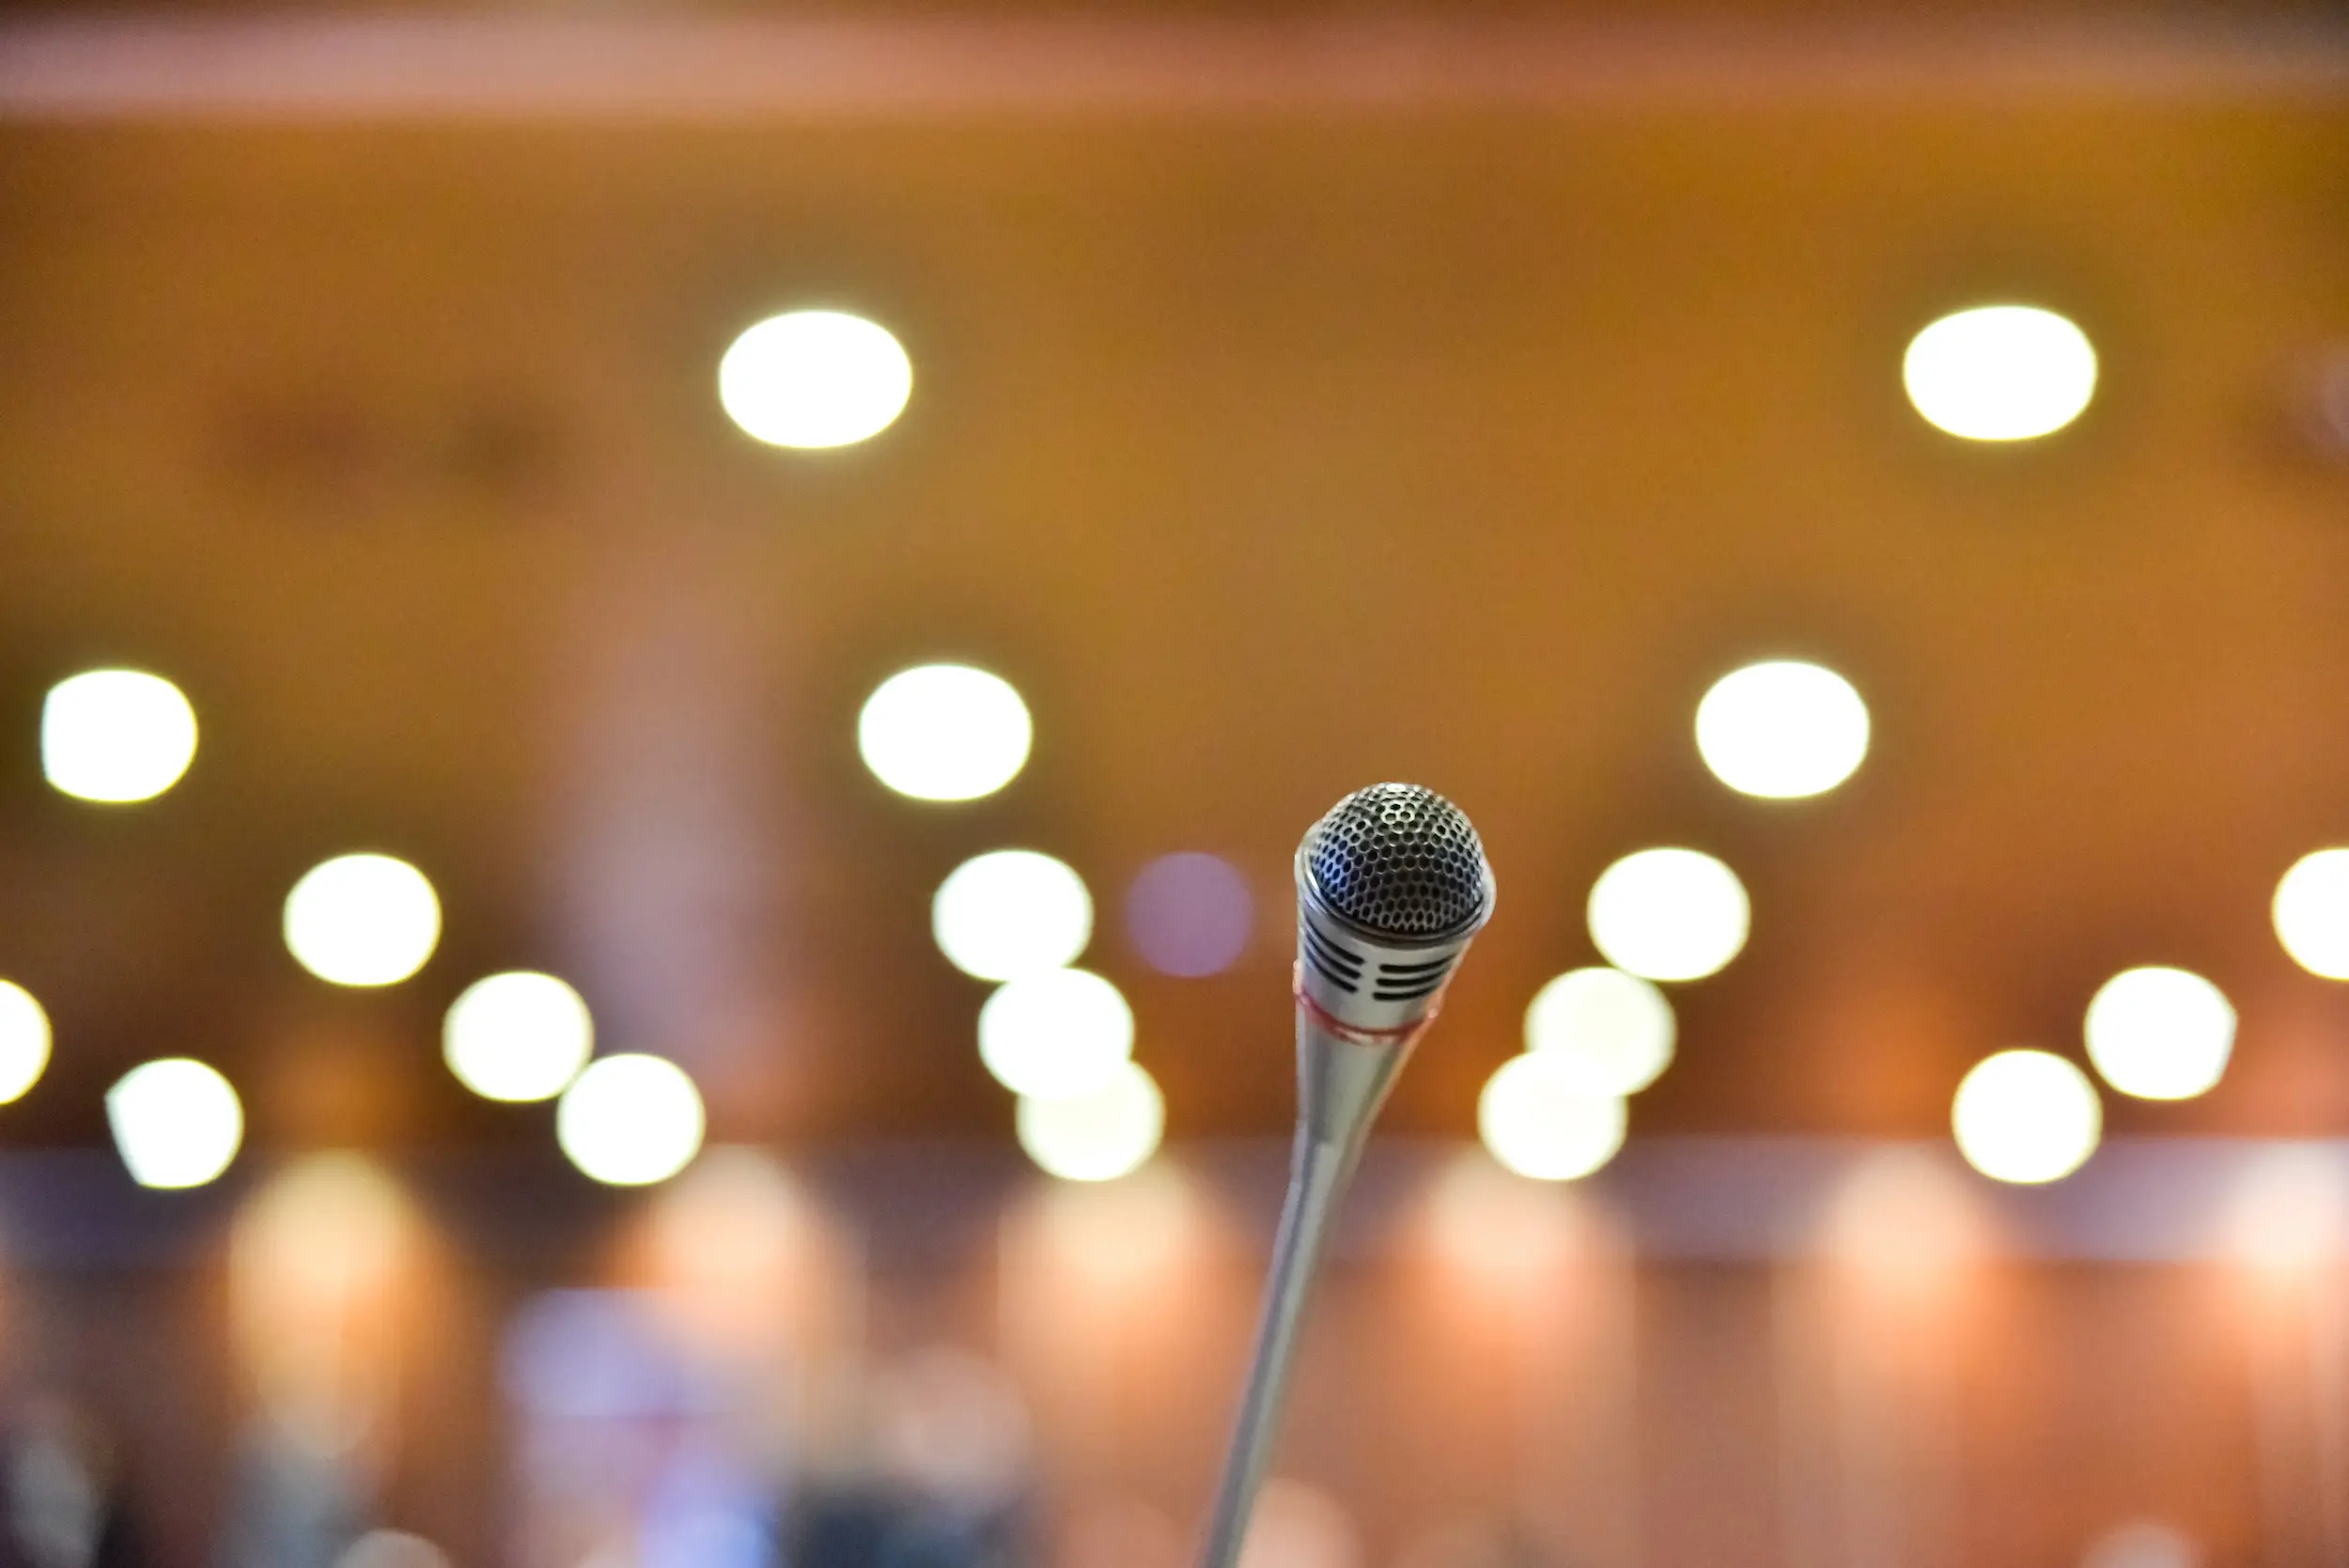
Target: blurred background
(660, 665)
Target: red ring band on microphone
(1355, 1034)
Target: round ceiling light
(1055, 1035)
(815, 379)
(630, 1121)
(1782, 730)
(116, 736)
(362, 920)
(1096, 1137)
(1669, 914)
(518, 1036)
(2001, 373)
(1538, 1119)
(24, 1042)
(2312, 914)
(177, 1122)
(2160, 1034)
(1011, 913)
(1614, 1031)
(944, 732)
(2026, 1116)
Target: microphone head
(1391, 886)
(1398, 863)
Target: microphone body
(1392, 886)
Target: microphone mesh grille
(1398, 861)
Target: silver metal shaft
(1341, 1085)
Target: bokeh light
(362, 920)
(518, 1036)
(1120, 1531)
(1109, 1132)
(2001, 373)
(2143, 1544)
(1011, 913)
(2312, 914)
(1189, 914)
(116, 736)
(629, 1121)
(815, 379)
(1296, 1526)
(1782, 730)
(1614, 1031)
(23, 1041)
(1055, 1034)
(1539, 1120)
(944, 732)
(2287, 1217)
(1669, 914)
(2160, 1034)
(392, 1548)
(177, 1122)
(2026, 1116)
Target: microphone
(1390, 887)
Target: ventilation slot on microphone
(1407, 991)
(1337, 966)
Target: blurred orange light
(1902, 1224)
(2288, 1214)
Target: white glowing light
(1782, 730)
(944, 732)
(2001, 373)
(2026, 1116)
(1539, 1119)
(815, 379)
(518, 1036)
(1614, 1031)
(629, 1121)
(1669, 914)
(392, 1548)
(177, 1122)
(2160, 1034)
(1296, 1526)
(1096, 1137)
(116, 736)
(2286, 1215)
(23, 1041)
(1055, 1035)
(362, 920)
(1011, 913)
(2143, 1544)
(2312, 914)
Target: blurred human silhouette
(392, 1548)
(61, 1504)
(2143, 1544)
(630, 1446)
(945, 1483)
(1296, 1526)
(295, 1500)
(1479, 1543)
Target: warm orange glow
(1111, 1296)
(1903, 1228)
(741, 1256)
(1513, 1270)
(1296, 1526)
(2288, 1218)
(1113, 1234)
(319, 1262)
(1484, 1221)
(949, 1425)
(1120, 1532)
